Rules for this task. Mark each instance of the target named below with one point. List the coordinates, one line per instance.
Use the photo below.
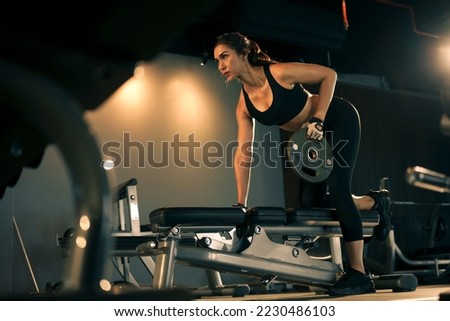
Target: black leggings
(343, 130)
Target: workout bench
(271, 243)
(248, 248)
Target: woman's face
(229, 62)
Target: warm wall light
(187, 103)
(444, 57)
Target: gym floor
(439, 292)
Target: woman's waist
(303, 116)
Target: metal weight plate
(312, 160)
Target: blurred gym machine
(428, 263)
(48, 81)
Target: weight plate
(312, 160)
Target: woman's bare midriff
(303, 117)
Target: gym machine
(267, 243)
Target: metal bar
(24, 251)
(165, 265)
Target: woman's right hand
(315, 129)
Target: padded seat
(263, 215)
(325, 217)
(197, 216)
(266, 216)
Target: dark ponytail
(244, 46)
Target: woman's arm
(301, 73)
(244, 153)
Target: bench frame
(219, 239)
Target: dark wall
(399, 129)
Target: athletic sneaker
(383, 207)
(351, 283)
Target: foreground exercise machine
(269, 243)
(429, 264)
(248, 245)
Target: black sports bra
(286, 104)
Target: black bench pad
(265, 216)
(197, 216)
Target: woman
(272, 93)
